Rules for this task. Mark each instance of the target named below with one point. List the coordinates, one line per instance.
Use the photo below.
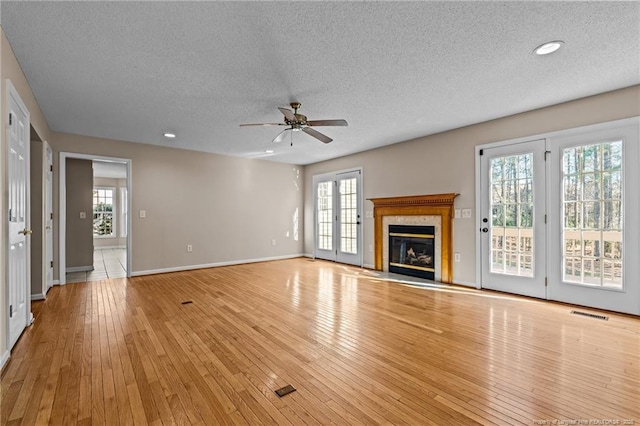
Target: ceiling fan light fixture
(169, 135)
(549, 47)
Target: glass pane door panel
(348, 216)
(511, 210)
(325, 215)
(592, 206)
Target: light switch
(143, 214)
(466, 213)
(457, 211)
(83, 215)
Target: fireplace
(412, 250)
(416, 210)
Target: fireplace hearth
(412, 250)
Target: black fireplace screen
(412, 250)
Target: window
(103, 217)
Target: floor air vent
(285, 391)
(587, 314)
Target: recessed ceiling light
(549, 47)
(269, 151)
(169, 135)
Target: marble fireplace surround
(435, 209)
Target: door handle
(47, 227)
(25, 231)
(485, 229)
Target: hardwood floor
(358, 349)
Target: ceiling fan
(297, 122)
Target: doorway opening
(95, 227)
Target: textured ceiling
(394, 70)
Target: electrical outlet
(273, 242)
(466, 213)
(143, 214)
(368, 214)
(456, 257)
(287, 234)
(189, 248)
(370, 248)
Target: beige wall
(229, 209)
(10, 69)
(79, 231)
(116, 241)
(445, 162)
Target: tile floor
(107, 263)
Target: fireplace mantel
(418, 205)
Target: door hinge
(10, 311)
(545, 155)
(52, 263)
(51, 215)
(10, 119)
(545, 218)
(545, 281)
(482, 152)
(51, 168)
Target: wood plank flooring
(359, 350)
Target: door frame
(322, 177)
(547, 136)
(62, 207)
(12, 92)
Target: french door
(560, 219)
(512, 218)
(338, 217)
(595, 251)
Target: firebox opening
(412, 250)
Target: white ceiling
(394, 70)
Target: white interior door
(48, 235)
(595, 247)
(18, 255)
(338, 217)
(512, 228)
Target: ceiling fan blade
(288, 114)
(263, 124)
(281, 136)
(316, 134)
(327, 123)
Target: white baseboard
(109, 247)
(5, 357)
(80, 269)
(39, 296)
(308, 255)
(367, 266)
(211, 265)
(465, 283)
